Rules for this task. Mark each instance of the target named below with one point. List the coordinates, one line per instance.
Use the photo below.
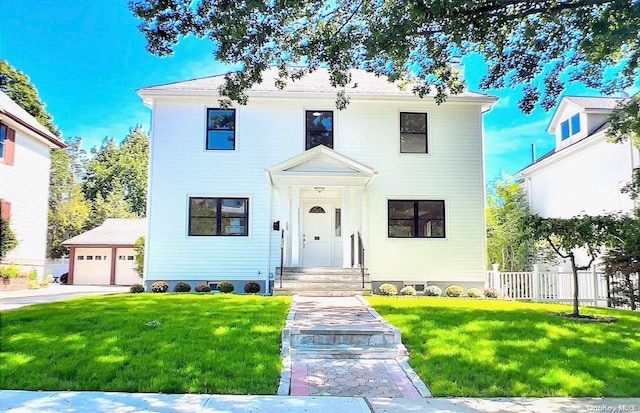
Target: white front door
(317, 234)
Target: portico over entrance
(320, 204)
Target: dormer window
(570, 126)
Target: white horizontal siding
(25, 184)
(587, 182)
(270, 131)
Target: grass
(220, 344)
(488, 348)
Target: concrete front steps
(322, 282)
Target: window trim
(218, 217)
(207, 129)
(333, 128)
(416, 219)
(427, 116)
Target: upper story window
(3, 137)
(416, 219)
(413, 132)
(319, 128)
(570, 126)
(218, 216)
(221, 129)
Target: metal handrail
(281, 256)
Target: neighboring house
(228, 187)
(105, 255)
(585, 172)
(25, 147)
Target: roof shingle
(114, 231)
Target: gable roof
(317, 82)
(589, 104)
(15, 112)
(114, 231)
(321, 165)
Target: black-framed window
(413, 132)
(221, 129)
(319, 128)
(218, 216)
(3, 138)
(416, 219)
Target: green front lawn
(224, 344)
(497, 348)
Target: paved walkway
(340, 346)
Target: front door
(317, 235)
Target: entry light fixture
(319, 188)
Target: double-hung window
(221, 129)
(413, 132)
(570, 126)
(416, 219)
(218, 216)
(319, 128)
(3, 138)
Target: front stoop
(322, 282)
(340, 333)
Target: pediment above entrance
(321, 166)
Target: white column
(285, 218)
(295, 227)
(346, 228)
(356, 220)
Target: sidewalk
(99, 402)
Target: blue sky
(87, 58)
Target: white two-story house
(290, 179)
(25, 146)
(585, 172)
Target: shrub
(388, 289)
(408, 290)
(160, 287)
(491, 293)
(454, 291)
(226, 287)
(33, 275)
(474, 293)
(136, 289)
(11, 271)
(182, 287)
(203, 288)
(433, 291)
(252, 287)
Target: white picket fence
(545, 286)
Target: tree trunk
(576, 309)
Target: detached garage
(105, 255)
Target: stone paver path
(352, 373)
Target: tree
(566, 235)
(536, 44)
(139, 248)
(119, 173)
(68, 210)
(8, 240)
(19, 88)
(507, 242)
(622, 262)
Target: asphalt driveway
(10, 300)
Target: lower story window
(416, 219)
(218, 216)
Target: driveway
(10, 300)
